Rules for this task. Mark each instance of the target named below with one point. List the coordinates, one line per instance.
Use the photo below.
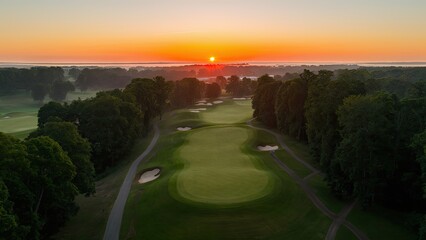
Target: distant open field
(18, 112)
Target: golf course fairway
(217, 171)
(215, 184)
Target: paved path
(112, 230)
(338, 219)
(285, 147)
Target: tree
(78, 150)
(233, 86)
(74, 73)
(186, 92)
(111, 126)
(365, 154)
(60, 89)
(146, 93)
(51, 109)
(15, 172)
(162, 94)
(290, 109)
(324, 97)
(221, 80)
(39, 92)
(213, 90)
(9, 222)
(264, 102)
(51, 182)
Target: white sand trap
(198, 109)
(149, 176)
(202, 101)
(203, 104)
(194, 111)
(267, 148)
(7, 117)
(217, 102)
(240, 98)
(183, 129)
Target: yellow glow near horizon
(212, 59)
(272, 30)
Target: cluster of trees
(111, 78)
(239, 87)
(369, 142)
(41, 81)
(186, 92)
(41, 176)
(39, 179)
(112, 120)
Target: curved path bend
(112, 230)
(338, 219)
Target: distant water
(177, 64)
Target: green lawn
(381, 223)
(323, 192)
(18, 112)
(284, 212)
(216, 170)
(229, 112)
(345, 234)
(295, 165)
(91, 219)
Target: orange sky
(194, 30)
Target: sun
(212, 59)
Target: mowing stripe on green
(217, 171)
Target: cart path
(338, 219)
(112, 230)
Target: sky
(194, 30)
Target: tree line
(368, 138)
(41, 175)
(40, 81)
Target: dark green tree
(60, 89)
(290, 108)
(39, 92)
(365, 154)
(78, 150)
(213, 90)
(52, 173)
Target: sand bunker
(203, 104)
(194, 111)
(149, 176)
(202, 101)
(198, 109)
(267, 148)
(240, 98)
(7, 117)
(183, 129)
(217, 102)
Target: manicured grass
(228, 112)
(295, 165)
(381, 223)
(90, 221)
(23, 134)
(18, 124)
(345, 234)
(153, 211)
(18, 112)
(323, 192)
(217, 171)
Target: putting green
(217, 171)
(229, 112)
